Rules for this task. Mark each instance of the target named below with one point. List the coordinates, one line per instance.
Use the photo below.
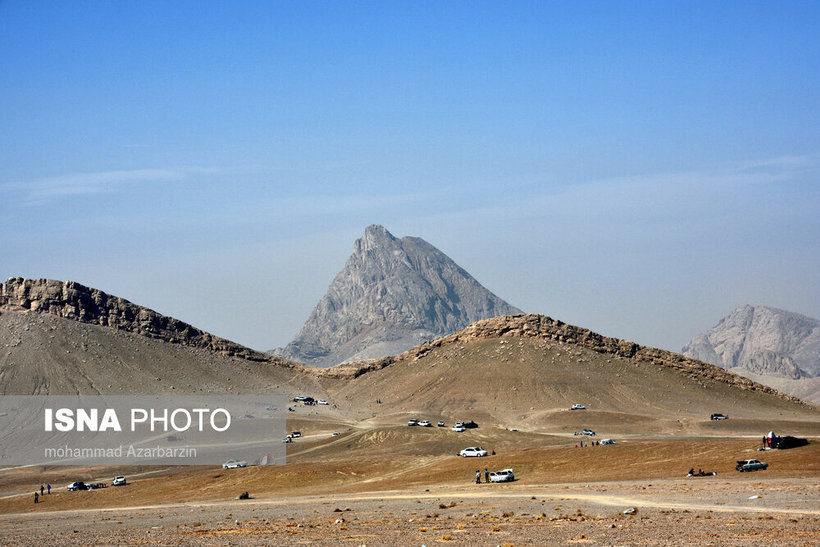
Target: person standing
(42, 489)
(486, 475)
(477, 476)
(48, 489)
(36, 497)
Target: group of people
(37, 495)
(590, 443)
(700, 473)
(486, 476)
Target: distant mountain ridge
(762, 340)
(391, 295)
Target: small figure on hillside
(486, 475)
(493, 452)
(42, 489)
(691, 471)
(36, 497)
(477, 476)
(48, 489)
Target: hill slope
(391, 295)
(62, 338)
(526, 371)
(520, 371)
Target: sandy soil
(747, 511)
(394, 486)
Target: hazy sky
(636, 168)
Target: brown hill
(43, 354)
(515, 371)
(526, 371)
(72, 300)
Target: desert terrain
(395, 484)
(380, 482)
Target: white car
(234, 464)
(505, 475)
(412, 421)
(118, 481)
(425, 423)
(322, 402)
(473, 451)
(607, 441)
(578, 407)
(458, 428)
(587, 432)
(441, 423)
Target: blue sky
(636, 168)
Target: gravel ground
(686, 511)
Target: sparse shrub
(496, 528)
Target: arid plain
(381, 482)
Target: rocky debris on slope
(74, 301)
(391, 295)
(762, 340)
(545, 328)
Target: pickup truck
(750, 465)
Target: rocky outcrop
(762, 340)
(546, 328)
(72, 300)
(391, 295)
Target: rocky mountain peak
(762, 340)
(391, 295)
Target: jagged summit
(391, 295)
(762, 340)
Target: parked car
(294, 435)
(76, 485)
(234, 464)
(412, 421)
(425, 423)
(719, 417)
(473, 451)
(322, 402)
(119, 480)
(441, 423)
(750, 465)
(505, 475)
(577, 407)
(458, 428)
(587, 432)
(607, 441)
